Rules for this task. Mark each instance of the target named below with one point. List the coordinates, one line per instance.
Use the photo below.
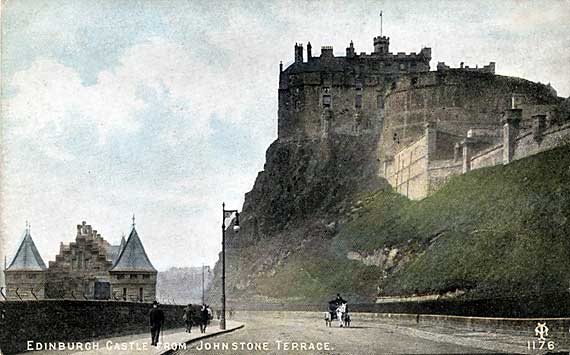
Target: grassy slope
(496, 231)
(503, 229)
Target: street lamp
(236, 229)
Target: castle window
(358, 101)
(326, 90)
(414, 81)
(297, 105)
(120, 277)
(141, 298)
(31, 276)
(124, 294)
(402, 66)
(133, 276)
(380, 102)
(327, 101)
(146, 277)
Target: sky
(164, 109)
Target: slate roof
(27, 257)
(113, 251)
(132, 256)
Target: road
(272, 335)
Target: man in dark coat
(156, 317)
(189, 317)
(204, 318)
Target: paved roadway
(364, 337)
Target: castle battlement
(346, 93)
(441, 66)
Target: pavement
(287, 335)
(139, 344)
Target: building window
(414, 81)
(146, 277)
(31, 276)
(120, 277)
(133, 276)
(297, 105)
(124, 294)
(358, 101)
(326, 90)
(402, 66)
(141, 298)
(327, 101)
(380, 102)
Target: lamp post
(236, 229)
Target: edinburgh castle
(430, 124)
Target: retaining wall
(72, 321)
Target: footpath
(139, 344)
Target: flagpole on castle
(380, 23)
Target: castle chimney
(350, 50)
(309, 51)
(511, 123)
(298, 53)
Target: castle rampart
(457, 101)
(340, 95)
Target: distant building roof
(113, 251)
(27, 257)
(132, 256)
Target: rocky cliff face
(294, 205)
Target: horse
(340, 311)
(329, 316)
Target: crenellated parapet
(490, 68)
(349, 88)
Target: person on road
(204, 318)
(189, 317)
(156, 317)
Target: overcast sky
(165, 108)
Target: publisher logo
(541, 331)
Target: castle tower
(25, 276)
(382, 45)
(309, 51)
(133, 278)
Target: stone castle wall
(342, 95)
(457, 101)
(416, 173)
(407, 172)
(302, 108)
(527, 143)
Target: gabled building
(132, 276)
(26, 274)
(87, 268)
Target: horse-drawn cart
(337, 312)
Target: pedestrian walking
(189, 317)
(204, 318)
(156, 318)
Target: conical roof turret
(27, 257)
(132, 256)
